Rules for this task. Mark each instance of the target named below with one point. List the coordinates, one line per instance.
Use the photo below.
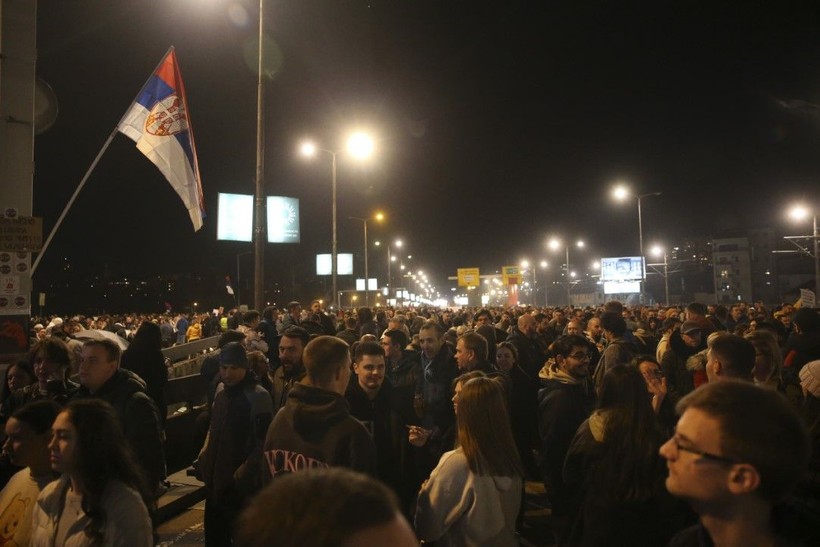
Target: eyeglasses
(704, 455)
(581, 356)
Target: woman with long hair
(614, 467)
(101, 497)
(144, 358)
(473, 496)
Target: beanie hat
(810, 377)
(233, 353)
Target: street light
(379, 217)
(801, 212)
(359, 146)
(620, 193)
(525, 264)
(259, 191)
(390, 258)
(659, 251)
(556, 244)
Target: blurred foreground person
(101, 497)
(473, 496)
(323, 507)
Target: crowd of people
(696, 425)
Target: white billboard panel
(324, 264)
(283, 220)
(235, 217)
(615, 287)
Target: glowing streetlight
(378, 217)
(659, 251)
(622, 192)
(800, 213)
(359, 146)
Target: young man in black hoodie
(315, 429)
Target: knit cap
(810, 377)
(233, 353)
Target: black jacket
(138, 414)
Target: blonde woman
(473, 496)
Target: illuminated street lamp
(359, 146)
(659, 251)
(621, 192)
(391, 258)
(525, 264)
(556, 244)
(378, 217)
(799, 213)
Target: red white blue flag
(158, 122)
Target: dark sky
(499, 124)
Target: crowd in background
(455, 402)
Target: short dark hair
(757, 426)
(614, 306)
(297, 332)
(483, 311)
(396, 337)
(434, 326)
(736, 355)
(38, 415)
(229, 336)
(613, 322)
(697, 308)
(52, 348)
(563, 346)
(316, 508)
(475, 343)
(367, 348)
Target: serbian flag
(158, 122)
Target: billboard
(324, 264)
(235, 218)
(624, 268)
(372, 284)
(626, 287)
(283, 220)
(468, 277)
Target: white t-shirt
(16, 503)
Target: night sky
(498, 125)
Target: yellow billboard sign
(512, 275)
(468, 277)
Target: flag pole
(71, 201)
(90, 170)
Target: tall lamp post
(358, 145)
(379, 217)
(259, 193)
(525, 264)
(800, 212)
(658, 251)
(620, 193)
(555, 244)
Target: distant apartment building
(732, 259)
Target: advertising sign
(624, 268)
(468, 277)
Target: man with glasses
(738, 451)
(565, 400)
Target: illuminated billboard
(235, 218)
(627, 287)
(622, 269)
(324, 264)
(283, 220)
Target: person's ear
(743, 479)
(718, 367)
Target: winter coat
(138, 415)
(231, 460)
(564, 402)
(126, 519)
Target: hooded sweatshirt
(457, 507)
(315, 430)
